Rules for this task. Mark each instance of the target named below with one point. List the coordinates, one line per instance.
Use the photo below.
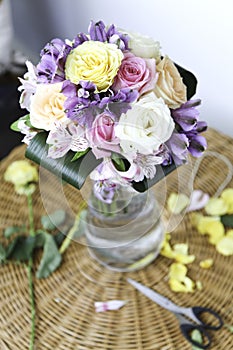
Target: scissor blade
(154, 296)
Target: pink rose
(136, 73)
(102, 137)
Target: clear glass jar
(126, 234)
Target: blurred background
(196, 34)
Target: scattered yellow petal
(199, 285)
(167, 251)
(177, 202)
(216, 236)
(176, 286)
(229, 233)
(206, 264)
(225, 246)
(210, 225)
(184, 259)
(185, 286)
(227, 196)
(181, 248)
(216, 206)
(178, 271)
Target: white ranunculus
(143, 45)
(145, 127)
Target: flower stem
(73, 229)
(31, 215)
(30, 273)
(32, 302)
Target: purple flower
(187, 115)
(51, 66)
(178, 145)
(99, 32)
(186, 137)
(105, 190)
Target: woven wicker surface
(65, 316)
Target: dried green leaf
(53, 220)
(51, 257)
(227, 220)
(21, 248)
(9, 231)
(2, 254)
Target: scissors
(193, 313)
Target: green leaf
(2, 254)
(118, 162)
(75, 173)
(161, 172)
(53, 220)
(14, 125)
(196, 336)
(51, 257)
(227, 220)
(21, 248)
(79, 154)
(9, 231)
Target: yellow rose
(23, 175)
(47, 106)
(94, 61)
(170, 85)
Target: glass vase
(125, 233)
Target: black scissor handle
(198, 311)
(187, 329)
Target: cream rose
(94, 61)
(47, 106)
(143, 45)
(170, 85)
(145, 127)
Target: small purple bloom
(51, 66)
(197, 145)
(187, 115)
(97, 31)
(105, 190)
(178, 145)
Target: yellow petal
(208, 224)
(184, 259)
(229, 233)
(216, 206)
(177, 202)
(181, 248)
(177, 271)
(167, 251)
(185, 286)
(216, 235)
(177, 286)
(227, 196)
(206, 264)
(225, 246)
(199, 285)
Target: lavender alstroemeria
(62, 139)
(187, 115)
(178, 145)
(99, 32)
(197, 145)
(51, 66)
(105, 190)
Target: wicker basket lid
(66, 318)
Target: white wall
(197, 34)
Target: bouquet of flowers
(108, 103)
